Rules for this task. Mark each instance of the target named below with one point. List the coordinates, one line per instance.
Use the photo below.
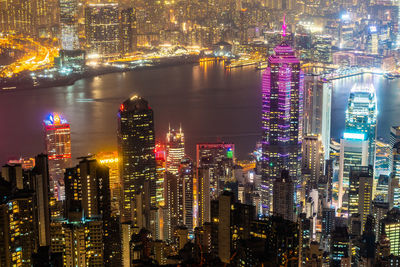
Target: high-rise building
(40, 184)
(102, 29)
(186, 175)
(128, 30)
(175, 148)
(95, 186)
(22, 235)
(288, 249)
(26, 163)
(231, 221)
(21, 17)
(394, 188)
(391, 227)
(394, 135)
(340, 246)
(218, 159)
(14, 175)
(202, 207)
(328, 221)
(284, 202)
(69, 24)
(322, 45)
(393, 139)
(313, 158)
(382, 159)
(361, 115)
(282, 118)
(160, 173)
(382, 188)
(89, 213)
(58, 149)
(353, 152)
(208, 154)
(83, 243)
(73, 192)
(111, 160)
(173, 191)
(379, 211)
(360, 192)
(317, 109)
(136, 152)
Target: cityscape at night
(199, 133)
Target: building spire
(284, 26)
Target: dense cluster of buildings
(303, 199)
(351, 33)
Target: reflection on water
(211, 103)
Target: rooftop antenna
(284, 26)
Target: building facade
(282, 118)
(137, 154)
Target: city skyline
(199, 133)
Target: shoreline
(27, 83)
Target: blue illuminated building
(361, 115)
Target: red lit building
(58, 149)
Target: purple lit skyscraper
(282, 112)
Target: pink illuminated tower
(282, 112)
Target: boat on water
(389, 76)
(262, 65)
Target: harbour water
(210, 103)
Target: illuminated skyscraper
(46, 17)
(219, 159)
(128, 30)
(360, 192)
(58, 149)
(69, 24)
(102, 28)
(282, 118)
(186, 175)
(361, 115)
(89, 211)
(313, 158)
(382, 158)
(202, 199)
(83, 243)
(160, 165)
(137, 157)
(353, 152)
(175, 150)
(173, 190)
(18, 230)
(95, 188)
(110, 160)
(317, 110)
(394, 188)
(20, 16)
(391, 227)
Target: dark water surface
(210, 103)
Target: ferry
(262, 65)
(9, 88)
(389, 76)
